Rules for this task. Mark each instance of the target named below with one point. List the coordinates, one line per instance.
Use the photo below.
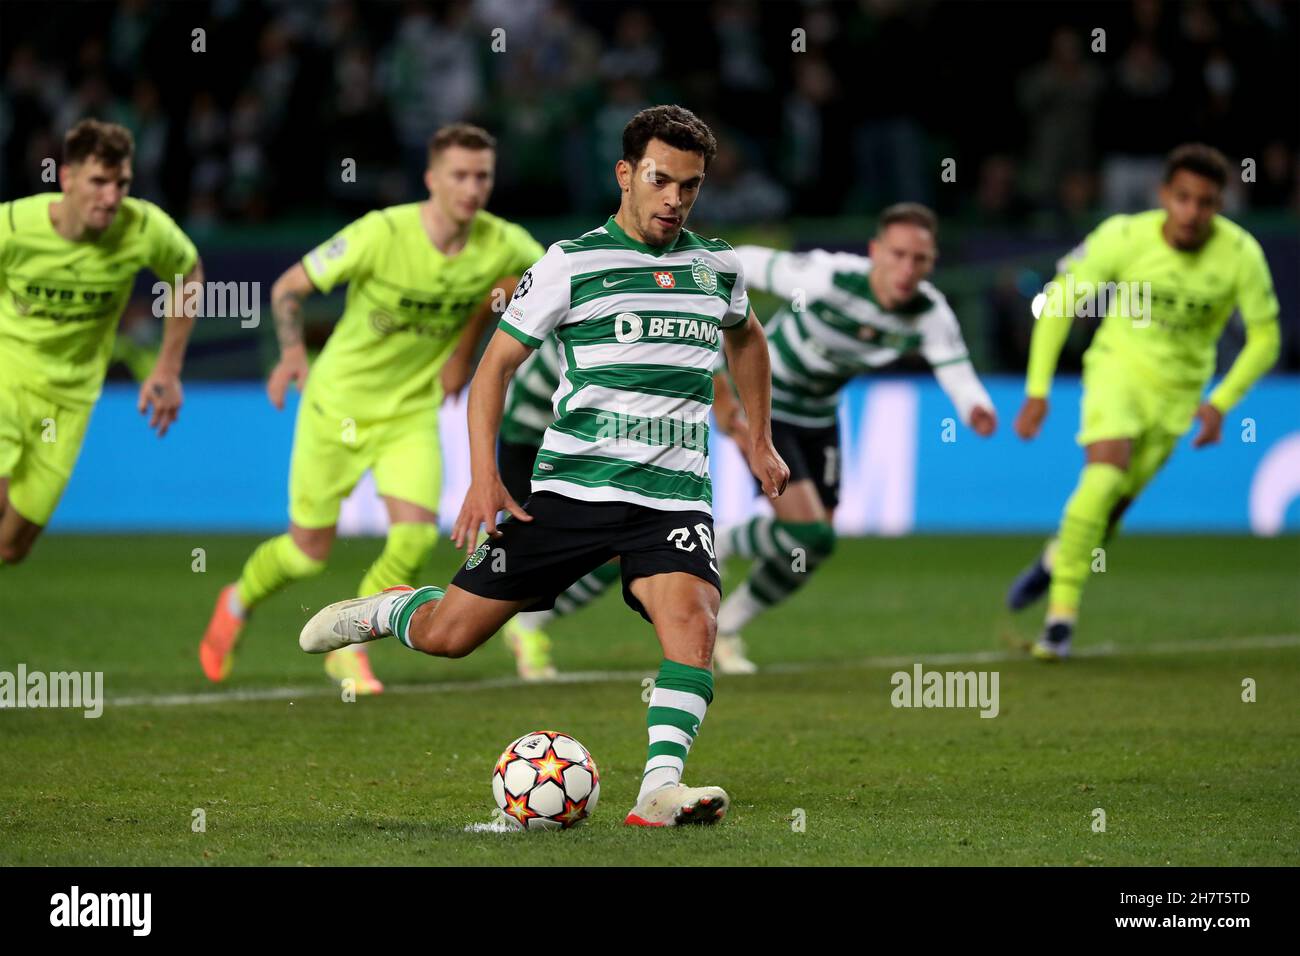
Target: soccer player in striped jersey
(844, 315)
(420, 279)
(68, 262)
(640, 307)
(524, 421)
(1166, 282)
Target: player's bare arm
(287, 296)
(1029, 420)
(487, 396)
(160, 393)
(747, 358)
(727, 411)
(455, 375)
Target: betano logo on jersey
(629, 327)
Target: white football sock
(534, 620)
(737, 610)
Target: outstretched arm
(161, 391)
(287, 296)
(459, 367)
(1257, 356)
(487, 395)
(968, 396)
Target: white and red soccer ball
(546, 781)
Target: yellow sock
(271, 566)
(1083, 526)
(408, 546)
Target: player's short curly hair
(1199, 159)
(671, 124)
(465, 135)
(109, 143)
(912, 213)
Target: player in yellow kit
(67, 264)
(420, 280)
(1171, 279)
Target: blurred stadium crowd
(259, 123)
(245, 141)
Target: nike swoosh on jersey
(609, 285)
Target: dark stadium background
(243, 143)
(1149, 724)
(825, 113)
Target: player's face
(1191, 203)
(901, 257)
(94, 192)
(460, 181)
(659, 193)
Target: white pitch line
(1265, 642)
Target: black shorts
(812, 453)
(537, 560)
(515, 464)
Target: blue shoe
(1054, 645)
(1031, 585)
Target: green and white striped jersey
(637, 330)
(831, 328)
(528, 411)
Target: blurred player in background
(1147, 368)
(844, 315)
(528, 413)
(68, 262)
(421, 279)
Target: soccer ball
(546, 781)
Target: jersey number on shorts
(682, 538)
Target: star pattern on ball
(574, 811)
(551, 766)
(506, 760)
(518, 808)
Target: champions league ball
(546, 781)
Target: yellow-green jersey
(1165, 308)
(60, 301)
(407, 305)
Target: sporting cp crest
(477, 557)
(704, 275)
(666, 280)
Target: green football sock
(396, 611)
(274, 564)
(789, 553)
(586, 589)
(678, 703)
(1083, 526)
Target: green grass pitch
(1151, 727)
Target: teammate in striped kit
(524, 421)
(640, 307)
(844, 315)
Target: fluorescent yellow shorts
(40, 440)
(330, 455)
(1119, 403)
